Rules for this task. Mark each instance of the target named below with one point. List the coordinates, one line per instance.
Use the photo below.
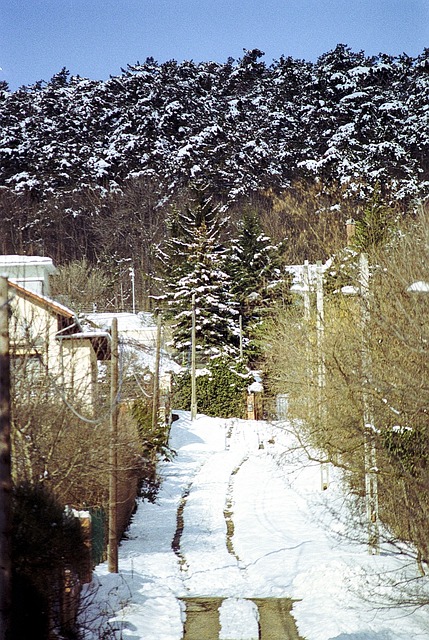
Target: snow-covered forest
(241, 125)
(77, 156)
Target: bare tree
(312, 217)
(82, 286)
(58, 439)
(393, 382)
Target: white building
(31, 272)
(47, 342)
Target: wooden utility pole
(193, 364)
(112, 552)
(155, 395)
(5, 465)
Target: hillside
(240, 126)
(101, 169)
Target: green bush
(407, 448)
(153, 438)
(154, 444)
(221, 392)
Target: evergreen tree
(373, 229)
(243, 127)
(258, 280)
(254, 264)
(196, 259)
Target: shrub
(221, 392)
(154, 444)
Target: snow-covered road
(239, 517)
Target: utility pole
(5, 465)
(112, 553)
(321, 368)
(193, 364)
(306, 290)
(307, 313)
(155, 395)
(241, 335)
(371, 481)
(133, 287)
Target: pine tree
(243, 127)
(254, 264)
(196, 262)
(373, 229)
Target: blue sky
(95, 38)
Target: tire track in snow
(210, 559)
(180, 523)
(287, 536)
(206, 501)
(228, 513)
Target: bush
(79, 285)
(154, 443)
(221, 392)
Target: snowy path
(204, 539)
(231, 522)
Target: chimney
(350, 230)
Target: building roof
(27, 261)
(43, 301)
(127, 322)
(100, 340)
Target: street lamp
(133, 280)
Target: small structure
(254, 401)
(138, 337)
(136, 327)
(146, 366)
(30, 272)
